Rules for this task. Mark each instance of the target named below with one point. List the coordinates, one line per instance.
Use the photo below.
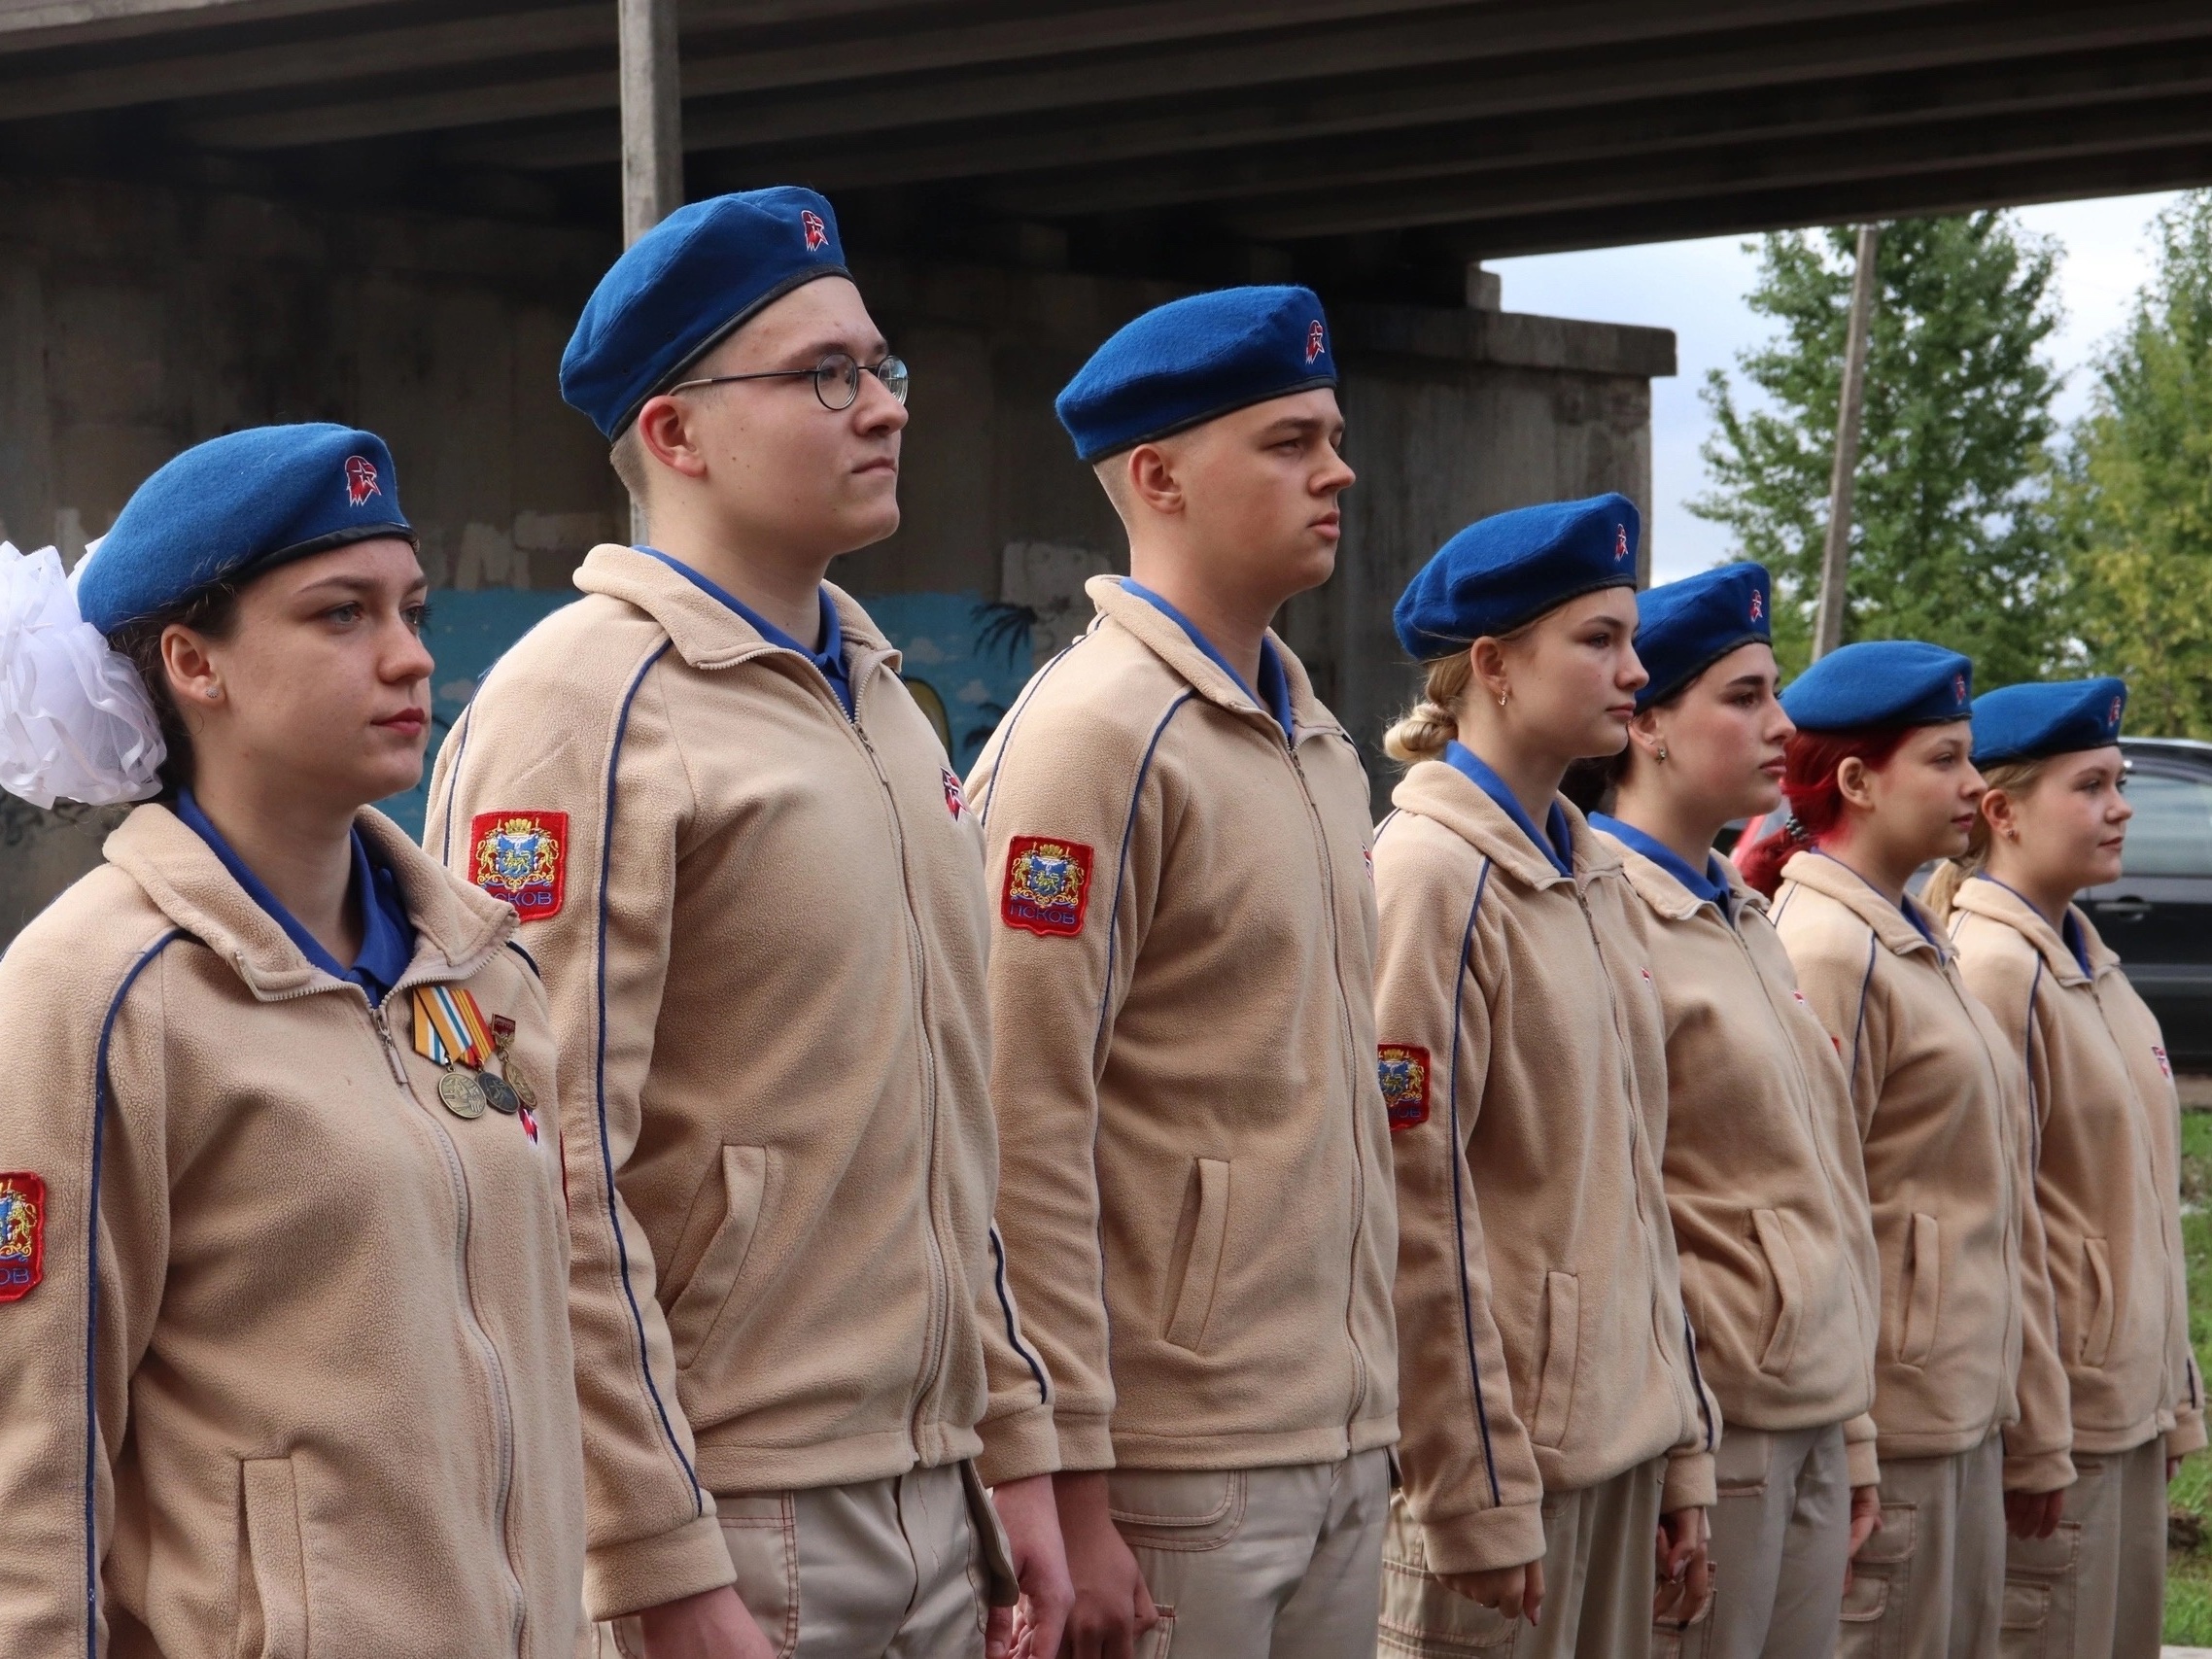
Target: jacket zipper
(917, 976)
(1812, 1126)
(2005, 1156)
(1359, 1160)
(1695, 1382)
(502, 1407)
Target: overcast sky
(1697, 289)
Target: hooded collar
(456, 928)
(1165, 637)
(387, 936)
(1833, 878)
(1986, 896)
(1704, 885)
(1659, 881)
(1554, 841)
(705, 632)
(1442, 792)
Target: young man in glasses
(751, 882)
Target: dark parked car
(2158, 914)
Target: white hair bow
(76, 721)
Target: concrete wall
(137, 320)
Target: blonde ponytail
(1941, 895)
(1435, 720)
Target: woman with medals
(1970, 1402)
(1557, 1442)
(283, 1260)
(1762, 1159)
(2107, 1136)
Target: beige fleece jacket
(1762, 1168)
(1969, 1344)
(1198, 1206)
(289, 1370)
(1539, 1303)
(2107, 1167)
(764, 939)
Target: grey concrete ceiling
(1492, 127)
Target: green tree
(2137, 492)
(1953, 538)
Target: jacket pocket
(697, 1307)
(1789, 1291)
(272, 1576)
(1201, 1255)
(1186, 1510)
(1563, 1335)
(2099, 1318)
(1922, 1291)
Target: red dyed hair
(1815, 803)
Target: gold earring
(1503, 694)
(1661, 751)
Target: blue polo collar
(830, 659)
(387, 933)
(1710, 886)
(1274, 693)
(1557, 843)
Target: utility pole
(652, 134)
(1836, 555)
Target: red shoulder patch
(523, 859)
(1403, 1071)
(22, 1235)
(1048, 886)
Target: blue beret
(2026, 722)
(684, 286)
(1683, 628)
(1510, 569)
(1191, 360)
(1880, 682)
(233, 507)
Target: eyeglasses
(836, 378)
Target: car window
(2171, 833)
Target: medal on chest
(450, 1032)
(512, 1075)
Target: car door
(2158, 914)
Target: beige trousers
(1261, 1563)
(1599, 1569)
(2096, 1587)
(1781, 1531)
(1931, 1584)
(896, 1566)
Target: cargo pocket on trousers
(1563, 1337)
(1200, 1247)
(1789, 1291)
(697, 1307)
(1177, 1509)
(2098, 1319)
(1157, 1642)
(1420, 1619)
(1924, 1288)
(272, 1576)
